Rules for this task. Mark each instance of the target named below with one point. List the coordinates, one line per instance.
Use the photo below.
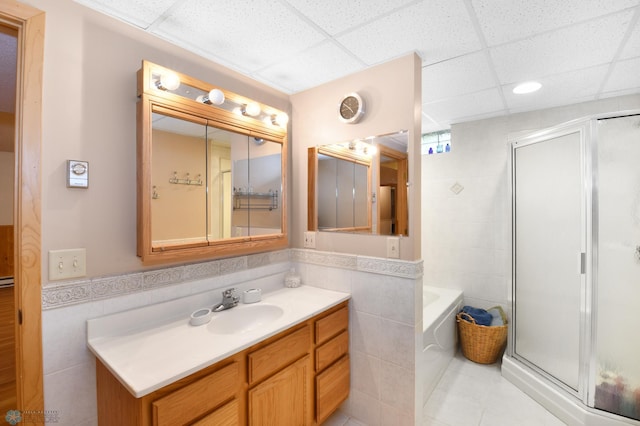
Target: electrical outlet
(70, 263)
(310, 239)
(393, 247)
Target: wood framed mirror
(359, 186)
(211, 170)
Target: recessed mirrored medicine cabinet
(211, 170)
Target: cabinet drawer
(332, 388)
(273, 357)
(227, 415)
(331, 325)
(197, 398)
(332, 350)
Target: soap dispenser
(292, 279)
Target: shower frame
(517, 368)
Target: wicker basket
(480, 343)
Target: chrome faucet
(229, 300)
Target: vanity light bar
(168, 81)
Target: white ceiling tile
(625, 75)
(137, 12)
(483, 103)
(632, 48)
(285, 43)
(507, 20)
(311, 68)
(453, 77)
(559, 89)
(336, 16)
(436, 30)
(580, 46)
(245, 33)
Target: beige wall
(392, 94)
(89, 114)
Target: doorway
(8, 82)
(27, 25)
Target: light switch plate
(393, 247)
(309, 239)
(70, 263)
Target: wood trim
(312, 193)
(30, 23)
(152, 100)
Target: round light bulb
(216, 97)
(527, 87)
(282, 119)
(252, 109)
(169, 81)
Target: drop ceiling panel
(580, 46)
(436, 30)
(141, 13)
(503, 21)
(246, 33)
(574, 86)
(632, 46)
(465, 107)
(465, 74)
(473, 51)
(625, 75)
(310, 68)
(336, 16)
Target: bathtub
(439, 338)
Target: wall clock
(351, 108)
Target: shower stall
(575, 337)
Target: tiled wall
(385, 327)
(466, 236)
(383, 324)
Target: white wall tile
(397, 387)
(71, 393)
(365, 374)
(364, 332)
(397, 344)
(365, 408)
(64, 336)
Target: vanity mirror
(210, 170)
(359, 186)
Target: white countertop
(147, 351)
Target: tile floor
(471, 394)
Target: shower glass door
(549, 239)
(617, 237)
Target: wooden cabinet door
(284, 399)
(332, 388)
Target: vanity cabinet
(331, 362)
(297, 377)
(212, 396)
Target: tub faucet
(229, 300)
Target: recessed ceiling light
(528, 87)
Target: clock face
(351, 108)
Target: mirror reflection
(211, 184)
(210, 170)
(360, 186)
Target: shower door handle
(582, 263)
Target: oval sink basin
(243, 318)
